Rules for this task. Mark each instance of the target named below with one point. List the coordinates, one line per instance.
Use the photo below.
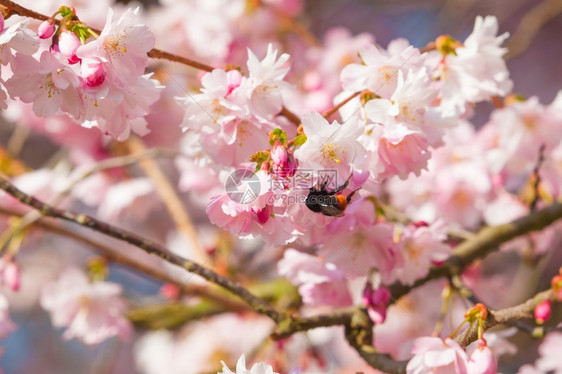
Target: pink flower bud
(46, 29)
(170, 291)
(92, 72)
(278, 155)
(264, 214)
(376, 301)
(542, 311)
(68, 45)
(10, 274)
(482, 361)
(283, 161)
(1, 22)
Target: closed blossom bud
(10, 274)
(92, 72)
(1, 22)
(264, 214)
(68, 45)
(170, 291)
(482, 360)
(283, 161)
(376, 301)
(542, 311)
(278, 155)
(46, 29)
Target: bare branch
(145, 244)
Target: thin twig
(169, 196)
(109, 163)
(110, 253)
(530, 25)
(336, 107)
(149, 246)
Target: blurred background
(534, 61)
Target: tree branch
(145, 244)
(483, 243)
(111, 254)
(504, 316)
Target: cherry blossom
(17, 37)
(49, 84)
(122, 46)
(482, 360)
(465, 80)
(422, 246)
(379, 70)
(434, 355)
(92, 312)
(319, 283)
(331, 146)
(258, 368)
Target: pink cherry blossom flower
(319, 282)
(435, 356)
(212, 107)
(119, 111)
(122, 46)
(130, 200)
(238, 211)
(92, 312)
(482, 360)
(195, 345)
(421, 246)
(412, 97)
(47, 83)
(331, 146)
(477, 71)
(266, 80)
(401, 151)
(379, 70)
(258, 368)
(520, 130)
(17, 37)
(359, 251)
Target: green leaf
(300, 140)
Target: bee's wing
(331, 211)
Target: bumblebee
(321, 200)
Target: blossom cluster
(98, 81)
